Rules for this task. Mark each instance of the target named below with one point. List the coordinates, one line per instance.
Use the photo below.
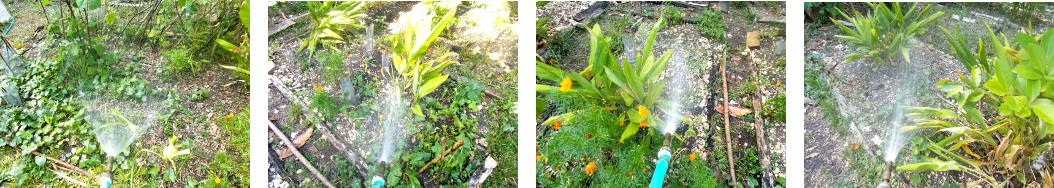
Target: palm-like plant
(634, 88)
(409, 47)
(330, 19)
(884, 32)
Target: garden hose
(886, 175)
(378, 181)
(661, 165)
(106, 179)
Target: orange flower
(643, 112)
(643, 124)
(537, 158)
(590, 168)
(557, 125)
(691, 156)
(565, 85)
(319, 89)
(589, 135)
(345, 55)
(623, 123)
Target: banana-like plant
(241, 52)
(330, 19)
(415, 74)
(884, 32)
(634, 90)
(1015, 85)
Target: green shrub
(332, 66)
(884, 32)
(633, 91)
(415, 74)
(1012, 125)
(179, 60)
(331, 17)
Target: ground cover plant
(73, 55)
(608, 86)
(435, 73)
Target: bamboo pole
(299, 156)
(728, 132)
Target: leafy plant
(179, 60)
(633, 90)
(331, 17)
(885, 31)
(240, 52)
(415, 74)
(1014, 84)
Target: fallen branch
(60, 163)
(302, 159)
(69, 179)
(323, 128)
(728, 133)
(285, 24)
(440, 157)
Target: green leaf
(629, 131)
(243, 13)
(1045, 112)
(417, 110)
(94, 4)
(931, 166)
(432, 84)
(110, 18)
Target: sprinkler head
(667, 139)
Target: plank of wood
(284, 24)
(759, 125)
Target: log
(302, 159)
(767, 179)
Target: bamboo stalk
(728, 133)
(302, 159)
(440, 157)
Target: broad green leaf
(931, 166)
(110, 18)
(417, 110)
(432, 84)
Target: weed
(200, 94)
(179, 60)
(711, 25)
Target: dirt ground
(867, 94)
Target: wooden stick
(323, 128)
(440, 157)
(67, 178)
(728, 133)
(58, 162)
(303, 160)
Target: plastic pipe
(662, 165)
(9, 26)
(378, 181)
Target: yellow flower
(217, 180)
(643, 112)
(229, 116)
(565, 85)
(537, 158)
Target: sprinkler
(663, 163)
(106, 179)
(887, 174)
(378, 181)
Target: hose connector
(378, 182)
(887, 174)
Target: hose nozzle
(887, 174)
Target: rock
(781, 49)
(723, 6)
(594, 9)
(847, 24)
(752, 39)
